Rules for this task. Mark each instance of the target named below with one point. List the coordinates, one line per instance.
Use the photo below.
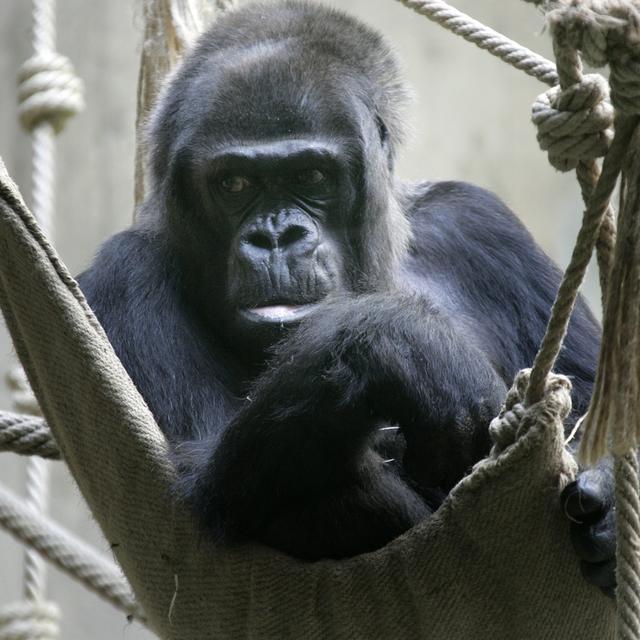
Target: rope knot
(574, 124)
(27, 620)
(48, 91)
(504, 429)
(515, 418)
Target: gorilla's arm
(484, 268)
(295, 469)
(474, 255)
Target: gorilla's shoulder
(454, 198)
(451, 209)
(128, 264)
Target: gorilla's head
(272, 166)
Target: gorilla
(322, 344)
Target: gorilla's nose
(288, 238)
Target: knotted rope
(574, 123)
(515, 418)
(48, 91)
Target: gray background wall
(470, 120)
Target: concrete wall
(470, 120)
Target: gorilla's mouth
(278, 313)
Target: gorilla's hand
(588, 503)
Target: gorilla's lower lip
(278, 313)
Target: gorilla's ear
(385, 142)
(382, 236)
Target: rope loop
(48, 91)
(576, 123)
(28, 620)
(515, 416)
(504, 429)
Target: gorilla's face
(285, 203)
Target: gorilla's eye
(234, 184)
(311, 176)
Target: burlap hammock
(494, 562)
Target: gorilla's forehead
(274, 89)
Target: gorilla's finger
(588, 497)
(600, 574)
(595, 542)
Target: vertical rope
(37, 497)
(43, 204)
(598, 229)
(628, 548)
(575, 272)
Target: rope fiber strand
(27, 436)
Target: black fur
(429, 297)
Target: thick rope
(36, 497)
(628, 547)
(614, 412)
(67, 552)
(486, 38)
(27, 435)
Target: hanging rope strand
(575, 272)
(43, 184)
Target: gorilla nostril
(260, 240)
(292, 235)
